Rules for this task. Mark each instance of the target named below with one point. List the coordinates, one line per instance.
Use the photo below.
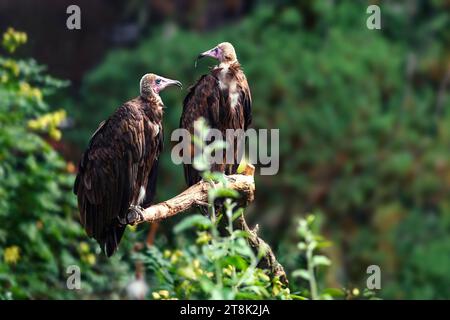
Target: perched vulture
(222, 97)
(118, 170)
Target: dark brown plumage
(119, 167)
(223, 98)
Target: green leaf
(222, 193)
(304, 274)
(297, 297)
(334, 292)
(236, 261)
(215, 177)
(324, 244)
(240, 234)
(237, 214)
(321, 261)
(196, 220)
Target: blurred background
(364, 131)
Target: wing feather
(246, 102)
(202, 100)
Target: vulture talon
(135, 214)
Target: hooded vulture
(118, 170)
(222, 97)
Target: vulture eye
(158, 81)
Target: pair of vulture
(119, 168)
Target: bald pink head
(153, 84)
(224, 52)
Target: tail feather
(111, 241)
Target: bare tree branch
(197, 195)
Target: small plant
(40, 235)
(309, 245)
(212, 267)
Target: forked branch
(197, 195)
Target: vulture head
(152, 84)
(224, 52)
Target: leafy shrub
(39, 231)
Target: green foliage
(309, 244)
(39, 231)
(363, 137)
(312, 246)
(211, 267)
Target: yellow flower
(228, 270)
(55, 134)
(203, 238)
(178, 253)
(175, 255)
(167, 253)
(196, 263)
(33, 124)
(187, 272)
(89, 259)
(30, 92)
(84, 247)
(48, 122)
(156, 295)
(173, 259)
(164, 294)
(13, 39)
(11, 255)
(355, 292)
(12, 66)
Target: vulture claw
(135, 214)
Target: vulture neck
(229, 64)
(227, 68)
(227, 72)
(153, 105)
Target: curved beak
(208, 53)
(169, 82)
